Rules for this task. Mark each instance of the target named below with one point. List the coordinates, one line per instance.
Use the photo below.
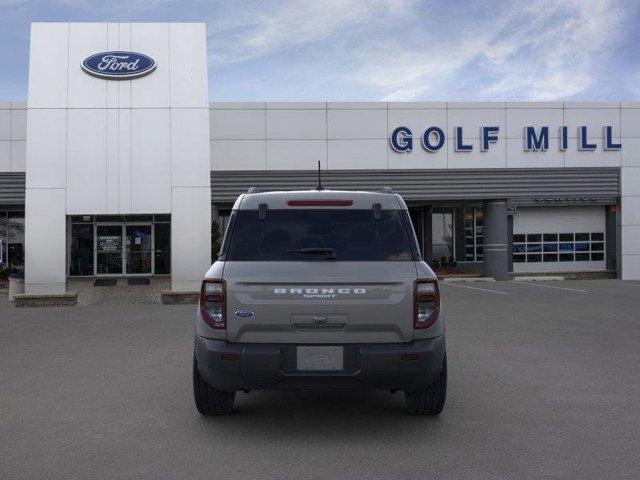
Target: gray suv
(319, 289)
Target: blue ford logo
(244, 313)
(118, 65)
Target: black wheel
(209, 400)
(429, 400)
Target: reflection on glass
(442, 231)
(109, 249)
(138, 244)
(81, 253)
(15, 241)
(163, 248)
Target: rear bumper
(273, 366)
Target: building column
(496, 254)
(190, 237)
(45, 241)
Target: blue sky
(378, 49)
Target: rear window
(317, 234)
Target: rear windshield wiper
(328, 252)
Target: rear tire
(429, 400)
(209, 400)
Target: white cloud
(546, 51)
(407, 50)
(259, 29)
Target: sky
(377, 50)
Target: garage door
(559, 239)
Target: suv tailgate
(320, 301)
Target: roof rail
(254, 190)
(385, 189)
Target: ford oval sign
(244, 313)
(118, 65)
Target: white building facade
(122, 176)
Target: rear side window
(308, 234)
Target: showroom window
(558, 247)
(442, 231)
(12, 242)
(120, 245)
(473, 219)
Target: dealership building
(118, 165)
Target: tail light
(426, 303)
(213, 303)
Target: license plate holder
(320, 358)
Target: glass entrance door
(139, 249)
(109, 250)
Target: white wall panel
(631, 239)
(418, 158)
(296, 124)
(150, 161)
(190, 164)
(598, 158)
(472, 119)
(518, 118)
(152, 91)
(357, 105)
(190, 253)
(86, 161)
(113, 43)
(124, 86)
(238, 124)
(45, 241)
(47, 148)
(495, 157)
(517, 157)
(592, 118)
(86, 91)
(630, 211)
(630, 268)
(630, 153)
(238, 155)
(630, 120)
(630, 181)
(48, 62)
(18, 124)
(5, 156)
(188, 56)
(5, 124)
(296, 105)
(124, 161)
(357, 124)
(296, 154)
(418, 120)
(357, 154)
(18, 156)
(111, 162)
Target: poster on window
(109, 243)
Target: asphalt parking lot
(544, 383)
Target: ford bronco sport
(319, 289)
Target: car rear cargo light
(213, 303)
(426, 306)
(320, 203)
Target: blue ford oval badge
(118, 65)
(244, 313)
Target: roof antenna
(319, 187)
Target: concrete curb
(24, 300)
(179, 298)
(538, 279)
(469, 279)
